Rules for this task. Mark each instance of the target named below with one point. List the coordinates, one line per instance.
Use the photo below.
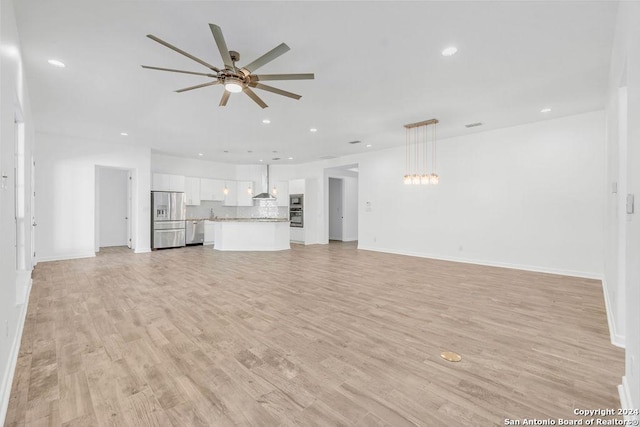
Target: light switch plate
(630, 207)
(614, 187)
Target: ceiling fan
(235, 79)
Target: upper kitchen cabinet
(192, 190)
(282, 192)
(231, 193)
(166, 182)
(212, 189)
(245, 193)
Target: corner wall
(65, 206)
(14, 284)
(622, 259)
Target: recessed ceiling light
(124, 134)
(545, 110)
(56, 63)
(266, 121)
(313, 130)
(290, 158)
(450, 51)
(368, 145)
(200, 154)
(261, 160)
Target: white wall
(622, 260)
(14, 283)
(112, 206)
(527, 197)
(65, 206)
(350, 206)
(192, 167)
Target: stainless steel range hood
(265, 195)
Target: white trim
(537, 269)
(142, 251)
(625, 400)
(616, 339)
(23, 284)
(5, 390)
(64, 257)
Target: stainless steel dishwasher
(195, 232)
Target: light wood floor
(319, 335)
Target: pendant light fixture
(417, 153)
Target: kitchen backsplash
(262, 209)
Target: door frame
(129, 204)
(341, 201)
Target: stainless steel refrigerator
(168, 214)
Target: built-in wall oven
(296, 211)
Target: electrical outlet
(375, 239)
(460, 248)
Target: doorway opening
(336, 214)
(113, 208)
(341, 203)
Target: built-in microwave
(296, 200)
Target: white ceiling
(377, 64)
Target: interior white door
(336, 214)
(34, 224)
(129, 204)
(114, 201)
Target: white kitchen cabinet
(192, 190)
(282, 192)
(212, 189)
(209, 233)
(167, 182)
(245, 193)
(231, 196)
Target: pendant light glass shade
(418, 162)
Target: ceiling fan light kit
(234, 79)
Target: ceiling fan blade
(275, 90)
(179, 71)
(267, 57)
(255, 97)
(198, 86)
(182, 52)
(222, 46)
(225, 98)
(262, 77)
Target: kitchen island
(251, 234)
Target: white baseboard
(625, 402)
(7, 382)
(616, 338)
(63, 257)
(537, 269)
(142, 251)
